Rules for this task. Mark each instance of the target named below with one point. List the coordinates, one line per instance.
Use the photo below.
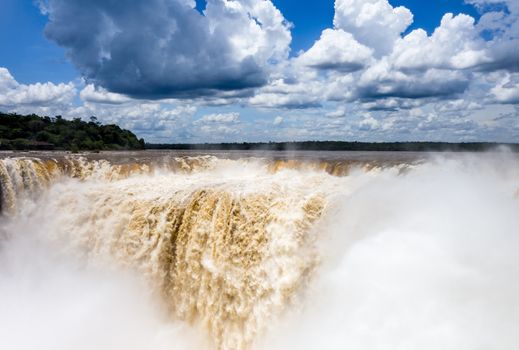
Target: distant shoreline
(340, 146)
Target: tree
(27, 131)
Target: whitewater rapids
(208, 253)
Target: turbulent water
(248, 252)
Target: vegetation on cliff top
(341, 146)
(23, 132)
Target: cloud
(150, 65)
(458, 106)
(365, 58)
(155, 49)
(455, 44)
(14, 95)
(507, 89)
(155, 121)
(218, 132)
(500, 20)
(338, 50)
(217, 127)
(368, 123)
(489, 4)
(337, 113)
(99, 95)
(220, 118)
(393, 104)
(152, 120)
(203, 58)
(389, 119)
(283, 93)
(382, 80)
(374, 23)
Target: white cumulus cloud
(337, 49)
(91, 93)
(14, 96)
(374, 23)
(507, 89)
(220, 118)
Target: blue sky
(353, 78)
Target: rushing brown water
(226, 242)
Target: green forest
(342, 146)
(32, 132)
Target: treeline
(26, 132)
(340, 146)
